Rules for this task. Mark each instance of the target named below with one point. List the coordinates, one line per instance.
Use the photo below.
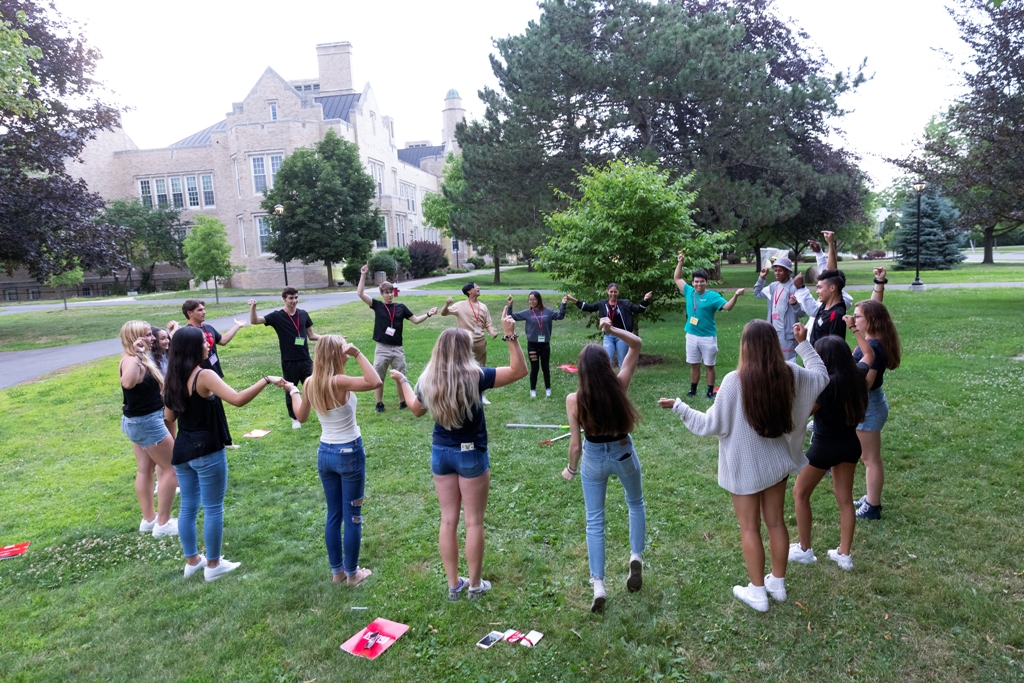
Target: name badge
(390, 331)
(541, 339)
(468, 447)
(300, 341)
(694, 321)
(775, 316)
(477, 330)
(213, 358)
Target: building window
(161, 192)
(275, 166)
(273, 111)
(400, 231)
(394, 180)
(259, 175)
(208, 199)
(177, 197)
(377, 171)
(86, 290)
(35, 294)
(382, 243)
(10, 294)
(192, 189)
(241, 235)
(408, 193)
(238, 179)
(146, 194)
(373, 121)
(263, 229)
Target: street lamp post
(279, 210)
(917, 285)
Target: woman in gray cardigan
(760, 419)
(538, 336)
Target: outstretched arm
(409, 394)
(833, 258)
(759, 288)
(728, 306)
(879, 289)
(253, 318)
(368, 382)
(632, 357)
(361, 289)
(444, 310)
(517, 362)
(678, 275)
(417, 319)
(212, 384)
(230, 334)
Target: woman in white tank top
(341, 460)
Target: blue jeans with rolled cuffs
(601, 461)
(203, 481)
(614, 346)
(342, 468)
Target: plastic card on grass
(256, 433)
(568, 367)
(9, 551)
(373, 640)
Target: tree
(938, 234)
(973, 152)
(383, 262)
(152, 235)
(328, 199)
(207, 252)
(69, 278)
(15, 72)
(426, 257)
(47, 219)
(627, 226)
(437, 206)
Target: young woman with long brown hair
(143, 423)
(341, 460)
(760, 418)
(451, 388)
(602, 411)
(872, 318)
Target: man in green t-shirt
(701, 335)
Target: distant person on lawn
(387, 332)
(783, 309)
(620, 312)
(538, 336)
(701, 333)
(294, 332)
(473, 316)
(194, 311)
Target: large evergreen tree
(328, 199)
(939, 228)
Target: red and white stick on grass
(518, 426)
(557, 438)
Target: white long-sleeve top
(748, 462)
(807, 301)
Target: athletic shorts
(701, 349)
(385, 355)
(827, 453)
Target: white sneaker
(191, 569)
(755, 596)
(844, 561)
(483, 399)
(776, 587)
(636, 578)
(798, 554)
(296, 424)
(600, 596)
(533, 393)
(547, 392)
(146, 527)
(169, 529)
(222, 568)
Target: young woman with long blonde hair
(760, 419)
(341, 460)
(451, 388)
(143, 423)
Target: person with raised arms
(601, 410)
(472, 315)
(341, 459)
(294, 332)
(451, 388)
(192, 397)
(388, 321)
(620, 312)
(194, 311)
(783, 309)
(701, 333)
(760, 420)
(538, 320)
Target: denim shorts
(453, 460)
(146, 430)
(878, 412)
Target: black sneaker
(379, 408)
(869, 511)
(691, 393)
(402, 405)
(711, 396)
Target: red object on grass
(9, 551)
(382, 635)
(568, 367)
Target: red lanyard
(297, 322)
(476, 315)
(612, 310)
(539, 321)
(778, 295)
(391, 312)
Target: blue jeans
(600, 461)
(613, 345)
(203, 480)
(342, 468)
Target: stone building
(222, 170)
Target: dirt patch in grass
(650, 359)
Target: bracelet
(571, 470)
(405, 380)
(510, 337)
(881, 282)
(294, 392)
(266, 379)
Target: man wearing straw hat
(783, 309)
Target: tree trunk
(497, 265)
(216, 291)
(990, 242)
(330, 276)
(757, 257)
(64, 294)
(529, 265)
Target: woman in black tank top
(192, 396)
(143, 424)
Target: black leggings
(540, 356)
(296, 372)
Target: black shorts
(827, 453)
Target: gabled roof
(337, 106)
(413, 155)
(202, 138)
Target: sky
(179, 70)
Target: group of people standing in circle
(758, 413)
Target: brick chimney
(334, 61)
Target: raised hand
(800, 332)
(850, 321)
(648, 295)
(605, 325)
(565, 298)
(798, 281)
(510, 301)
(140, 346)
(365, 269)
(880, 273)
(830, 236)
(396, 375)
(252, 303)
(241, 323)
(666, 403)
(508, 325)
(815, 247)
(571, 298)
(741, 291)
(433, 311)
(792, 301)
(764, 272)
(349, 350)
(448, 301)
(172, 327)
(681, 256)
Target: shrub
(401, 256)
(808, 258)
(425, 257)
(385, 262)
(176, 285)
(120, 289)
(452, 271)
(477, 261)
(876, 254)
(351, 273)
(732, 259)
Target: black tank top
(142, 399)
(202, 428)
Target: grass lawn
(515, 278)
(268, 292)
(937, 593)
(861, 273)
(43, 329)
